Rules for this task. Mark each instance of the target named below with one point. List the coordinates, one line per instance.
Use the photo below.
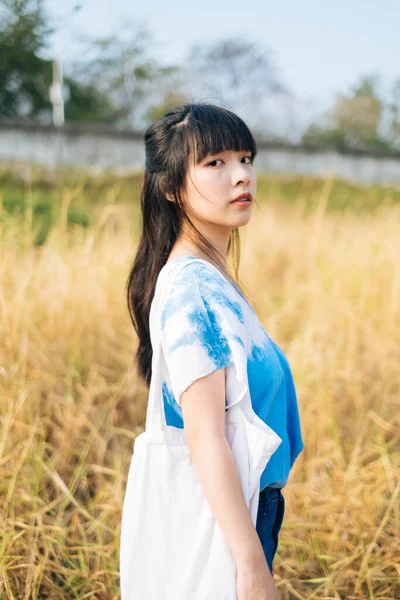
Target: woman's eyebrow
(227, 152)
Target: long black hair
(187, 132)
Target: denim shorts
(271, 510)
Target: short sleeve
(194, 336)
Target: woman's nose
(241, 175)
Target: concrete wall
(101, 147)
(81, 146)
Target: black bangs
(210, 129)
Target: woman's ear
(162, 183)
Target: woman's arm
(203, 410)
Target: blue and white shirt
(203, 316)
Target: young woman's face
(218, 179)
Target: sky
(319, 49)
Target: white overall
(171, 546)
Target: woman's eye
(213, 162)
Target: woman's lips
(246, 197)
(242, 202)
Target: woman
(199, 187)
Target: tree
(359, 113)
(121, 68)
(394, 111)
(85, 103)
(172, 98)
(354, 121)
(235, 73)
(24, 75)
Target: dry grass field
(326, 285)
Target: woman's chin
(242, 219)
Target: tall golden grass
(327, 289)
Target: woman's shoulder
(201, 279)
(194, 275)
(199, 287)
(198, 271)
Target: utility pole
(56, 94)
(59, 93)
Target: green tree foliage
(171, 99)
(394, 110)
(354, 121)
(24, 76)
(121, 67)
(358, 115)
(87, 104)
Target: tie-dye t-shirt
(202, 315)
